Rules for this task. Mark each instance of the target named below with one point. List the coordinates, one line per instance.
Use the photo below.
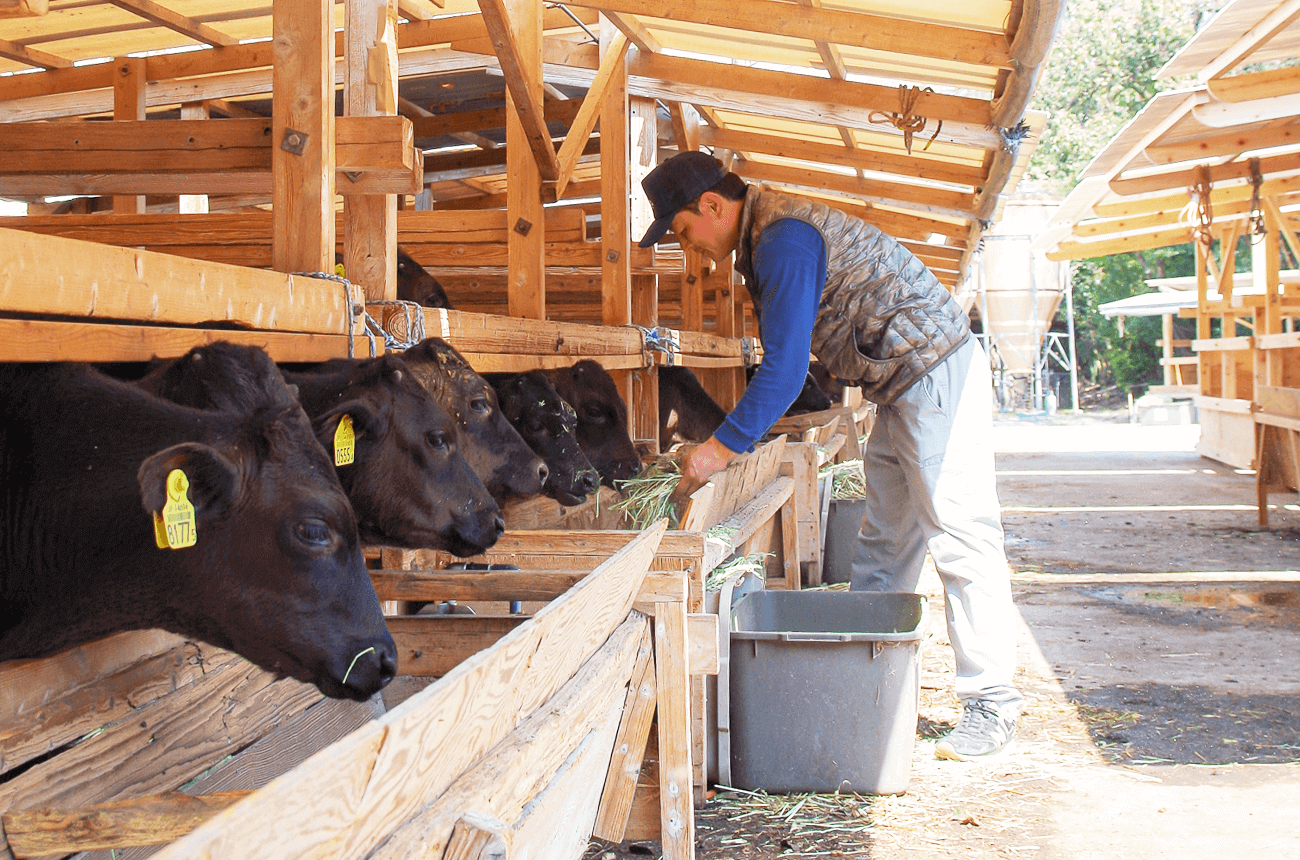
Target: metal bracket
(294, 141)
(522, 226)
(747, 350)
(664, 340)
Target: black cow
(549, 425)
(828, 382)
(602, 419)
(275, 573)
(811, 397)
(686, 411)
(491, 445)
(414, 284)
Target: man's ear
(213, 478)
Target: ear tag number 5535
(345, 442)
(175, 528)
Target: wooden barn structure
(1209, 164)
(191, 171)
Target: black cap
(678, 182)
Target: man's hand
(700, 463)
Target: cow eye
(313, 532)
(595, 415)
(437, 440)
(480, 405)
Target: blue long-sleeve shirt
(790, 269)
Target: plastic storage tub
(824, 690)
(843, 522)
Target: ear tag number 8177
(175, 527)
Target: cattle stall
(191, 179)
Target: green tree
(1100, 74)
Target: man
(827, 282)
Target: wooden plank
(517, 770)
(433, 645)
(23, 8)
(525, 131)
(1255, 85)
(303, 136)
(702, 642)
(676, 796)
(45, 340)
(32, 57)
(53, 275)
(196, 30)
(167, 741)
(519, 54)
(154, 820)
(934, 201)
(128, 105)
(474, 585)
(346, 800)
(477, 837)
(629, 749)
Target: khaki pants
(931, 486)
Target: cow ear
(213, 478)
(365, 422)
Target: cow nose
(589, 481)
(500, 525)
(370, 670)
(542, 472)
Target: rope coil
(1255, 223)
(660, 339)
(1199, 192)
(905, 119)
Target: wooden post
(302, 157)
(194, 204)
(128, 104)
(1167, 349)
(644, 414)
(370, 89)
(676, 797)
(617, 186)
(526, 240)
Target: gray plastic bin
(824, 690)
(843, 522)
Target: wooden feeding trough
(142, 738)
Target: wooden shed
(191, 170)
(1207, 165)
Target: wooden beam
(635, 31)
(629, 749)
(1230, 143)
(128, 105)
(154, 820)
(922, 199)
(1218, 196)
(32, 57)
(1272, 24)
(24, 8)
(615, 196)
(686, 126)
(1144, 242)
(913, 165)
(1182, 177)
(610, 73)
(196, 30)
(370, 90)
(515, 53)
(872, 32)
(1255, 85)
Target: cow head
(491, 445)
(408, 482)
(548, 424)
(602, 419)
(276, 573)
(414, 284)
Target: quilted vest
(884, 319)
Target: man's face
(709, 231)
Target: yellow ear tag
(178, 514)
(338, 270)
(345, 442)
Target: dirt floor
(1159, 637)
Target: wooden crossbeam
(874, 32)
(1256, 85)
(583, 124)
(491, 118)
(635, 31)
(32, 57)
(1218, 197)
(196, 30)
(520, 81)
(1279, 19)
(922, 199)
(1226, 143)
(1182, 177)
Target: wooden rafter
(32, 57)
(1276, 21)
(686, 127)
(520, 80)
(583, 124)
(829, 153)
(196, 30)
(874, 32)
(1255, 85)
(950, 203)
(1184, 176)
(1229, 143)
(635, 31)
(23, 8)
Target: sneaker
(981, 733)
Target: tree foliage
(1100, 74)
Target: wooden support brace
(576, 140)
(629, 749)
(521, 80)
